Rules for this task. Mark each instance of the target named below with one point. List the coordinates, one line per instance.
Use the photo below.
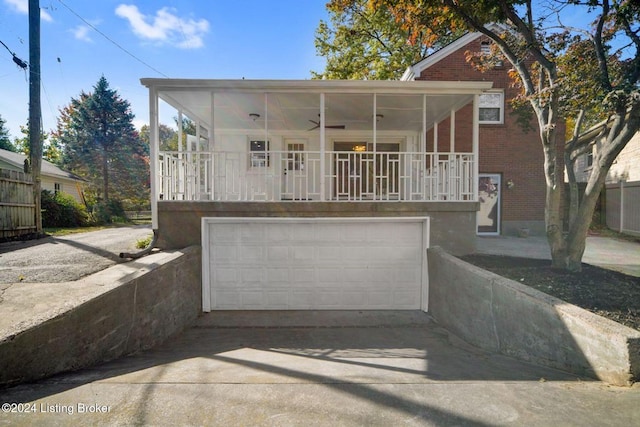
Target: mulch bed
(607, 293)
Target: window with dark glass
(258, 154)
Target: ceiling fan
(317, 125)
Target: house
(53, 178)
(511, 176)
(626, 167)
(621, 198)
(325, 194)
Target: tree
(168, 137)
(5, 141)
(543, 53)
(366, 43)
(100, 143)
(50, 149)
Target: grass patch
(143, 243)
(60, 231)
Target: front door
(355, 174)
(294, 170)
(488, 218)
(351, 166)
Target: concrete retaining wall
(453, 224)
(501, 315)
(121, 310)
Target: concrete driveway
(605, 252)
(319, 368)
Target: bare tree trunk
(105, 176)
(554, 179)
(579, 229)
(574, 199)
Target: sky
(126, 40)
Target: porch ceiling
(295, 105)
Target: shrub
(62, 210)
(107, 212)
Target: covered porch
(316, 149)
(326, 141)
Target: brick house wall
(505, 149)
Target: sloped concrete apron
(47, 328)
(50, 328)
(504, 316)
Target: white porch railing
(306, 175)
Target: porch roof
(293, 104)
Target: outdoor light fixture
(379, 117)
(254, 116)
(510, 184)
(359, 148)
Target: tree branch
(599, 48)
(509, 53)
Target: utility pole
(35, 113)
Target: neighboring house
(53, 178)
(626, 167)
(622, 196)
(324, 194)
(512, 182)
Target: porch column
(153, 153)
(423, 148)
(323, 149)
(212, 143)
(180, 131)
(375, 147)
(452, 133)
(435, 137)
(476, 144)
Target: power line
(19, 62)
(112, 41)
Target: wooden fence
(17, 208)
(623, 207)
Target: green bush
(62, 210)
(109, 212)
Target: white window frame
(501, 119)
(259, 159)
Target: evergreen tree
(5, 141)
(100, 143)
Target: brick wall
(504, 148)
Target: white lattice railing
(311, 175)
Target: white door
(314, 263)
(295, 170)
(488, 218)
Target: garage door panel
(262, 263)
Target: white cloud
(165, 27)
(22, 6)
(81, 32)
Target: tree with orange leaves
(547, 53)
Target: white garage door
(314, 263)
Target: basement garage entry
(315, 263)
